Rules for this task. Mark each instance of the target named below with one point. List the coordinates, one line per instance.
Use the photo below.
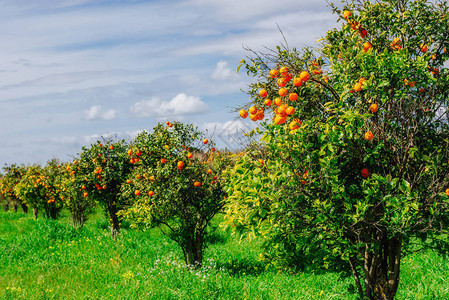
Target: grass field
(45, 259)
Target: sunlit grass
(47, 259)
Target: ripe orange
(243, 113)
(274, 73)
(197, 183)
(304, 76)
(128, 181)
(111, 147)
(252, 110)
(374, 108)
(189, 155)
(253, 117)
(130, 152)
(282, 92)
(209, 171)
(424, 48)
(365, 173)
(260, 161)
(367, 46)
(281, 82)
(297, 81)
(346, 14)
(283, 71)
(83, 187)
(205, 141)
(290, 110)
(278, 101)
(104, 187)
(85, 194)
(267, 102)
(294, 125)
(180, 165)
(357, 87)
(150, 193)
(280, 120)
(369, 136)
(163, 160)
(293, 96)
(447, 192)
(396, 43)
(263, 93)
(137, 192)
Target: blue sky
(74, 70)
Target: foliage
(366, 142)
(98, 174)
(176, 183)
(40, 189)
(13, 174)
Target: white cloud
(223, 72)
(180, 105)
(95, 113)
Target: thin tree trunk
(115, 226)
(24, 207)
(382, 267)
(35, 212)
(6, 207)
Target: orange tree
(74, 195)
(99, 173)
(176, 183)
(13, 174)
(39, 189)
(361, 125)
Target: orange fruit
(150, 193)
(180, 165)
(205, 141)
(374, 108)
(260, 161)
(357, 87)
(281, 82)
(369, 136)
(197, 183)
(290, 110)
(282, 92)
(411, 84)
(346, 14)
(243, 113)
(267, 102)
(252, 110)
(130, 152)
(274, 73)
(294, 125)
(163, 160)
(278, 101)
(365, 173)
(424, 48)
(209, 171)
(367, 46)
(151, 178)
(189, 155)
(132, 160)
(396, 43)
(297, 81)
(128, 181)
(280, 120)
(253, 117)
(293, 96)
(104, 187)
(137, 192)
(263, 93)
(83, 187)
(85, 194)
(111, 147)
(283, 71)
(304, 76)
(447, 192)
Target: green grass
(45, 259)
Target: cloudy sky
(74, 70)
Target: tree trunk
(113, 220)
(35, 212)
(78, 218)
(193, 252)
(381, 268)
(24, 207)
(14, 206)
(6, 207)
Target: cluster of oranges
(283, 97)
